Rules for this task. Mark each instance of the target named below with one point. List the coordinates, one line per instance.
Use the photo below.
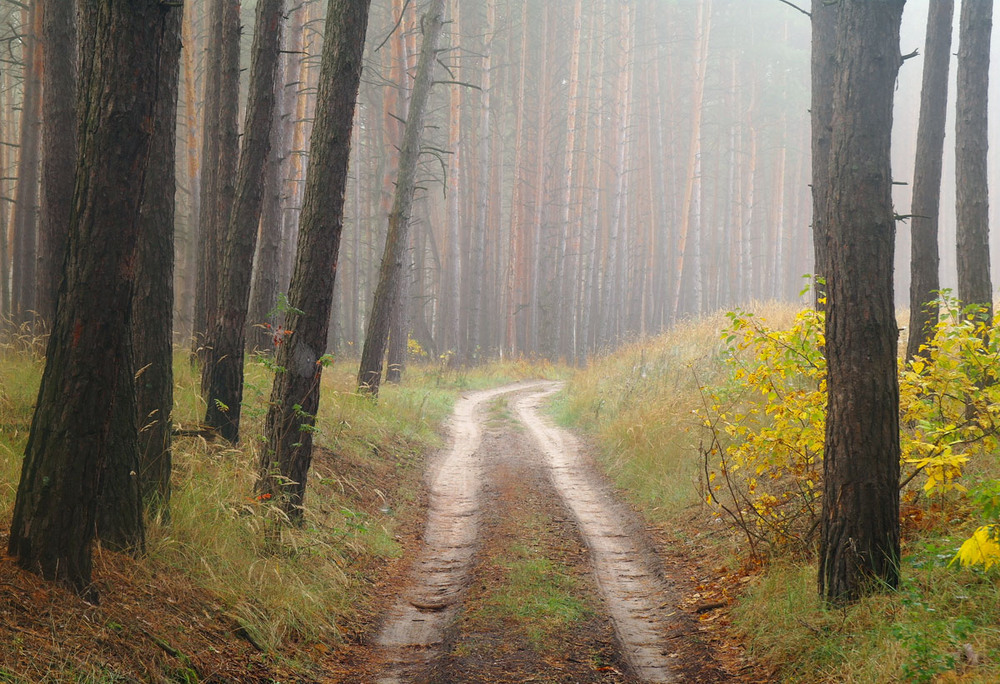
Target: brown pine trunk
(859, 547)
(971, 132)
(926, 203)
(84, 423)
(153, 303)
(824, 69)
(222, 373)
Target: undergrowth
(282, 585)
(647, 405)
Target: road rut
(638, 601)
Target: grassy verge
(940, 625)
(282, 586)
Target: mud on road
(492, 474)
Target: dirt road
(444, 626)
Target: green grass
(282, 584)
(535, 593)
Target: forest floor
(529, 569)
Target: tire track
(414, 628)
(634, 593)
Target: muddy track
(639, 603)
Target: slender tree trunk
(377, 334)
(971, 131)
(926, 203)
(704, 24)
(59, 148)
(26, 200)
(222, 373)
(84, 423)
(285, 460)
(859, 547)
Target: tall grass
(638, 403)
(278, 583)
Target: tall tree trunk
(152, 313)
(59, 148)
(285, 459)
(823, 69)
(480, 227)
(377, 334)
(84, 423)
(859, 547)
(26, 200)
(926, 203)
(704, 25)
(453, 274)
(971, 133)
(222, 373)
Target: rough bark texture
(220, 150)
(152, 312)
(222, 373)
(859, 549)
(971, 125)
(926, 202)
(59, 147)
(377, 333)
(294, 401)
(84, 422)
(823, 69)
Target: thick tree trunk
(222, 373)
(152, 313)
(377, 334)
(926, 203)
(859, 548)
(59, 148)
(84, 423)
(971, 129)
(286, 457)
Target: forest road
(639, 603)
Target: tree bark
(222, 373)
(824, 69)
(285, 460)
(971, 129)
(926, 202)
(377, 334)
(152, 329)
(859, 547)
(84, 421)
(59, 147)
(220, 150)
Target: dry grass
(638, 403)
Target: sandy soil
(528, 462)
